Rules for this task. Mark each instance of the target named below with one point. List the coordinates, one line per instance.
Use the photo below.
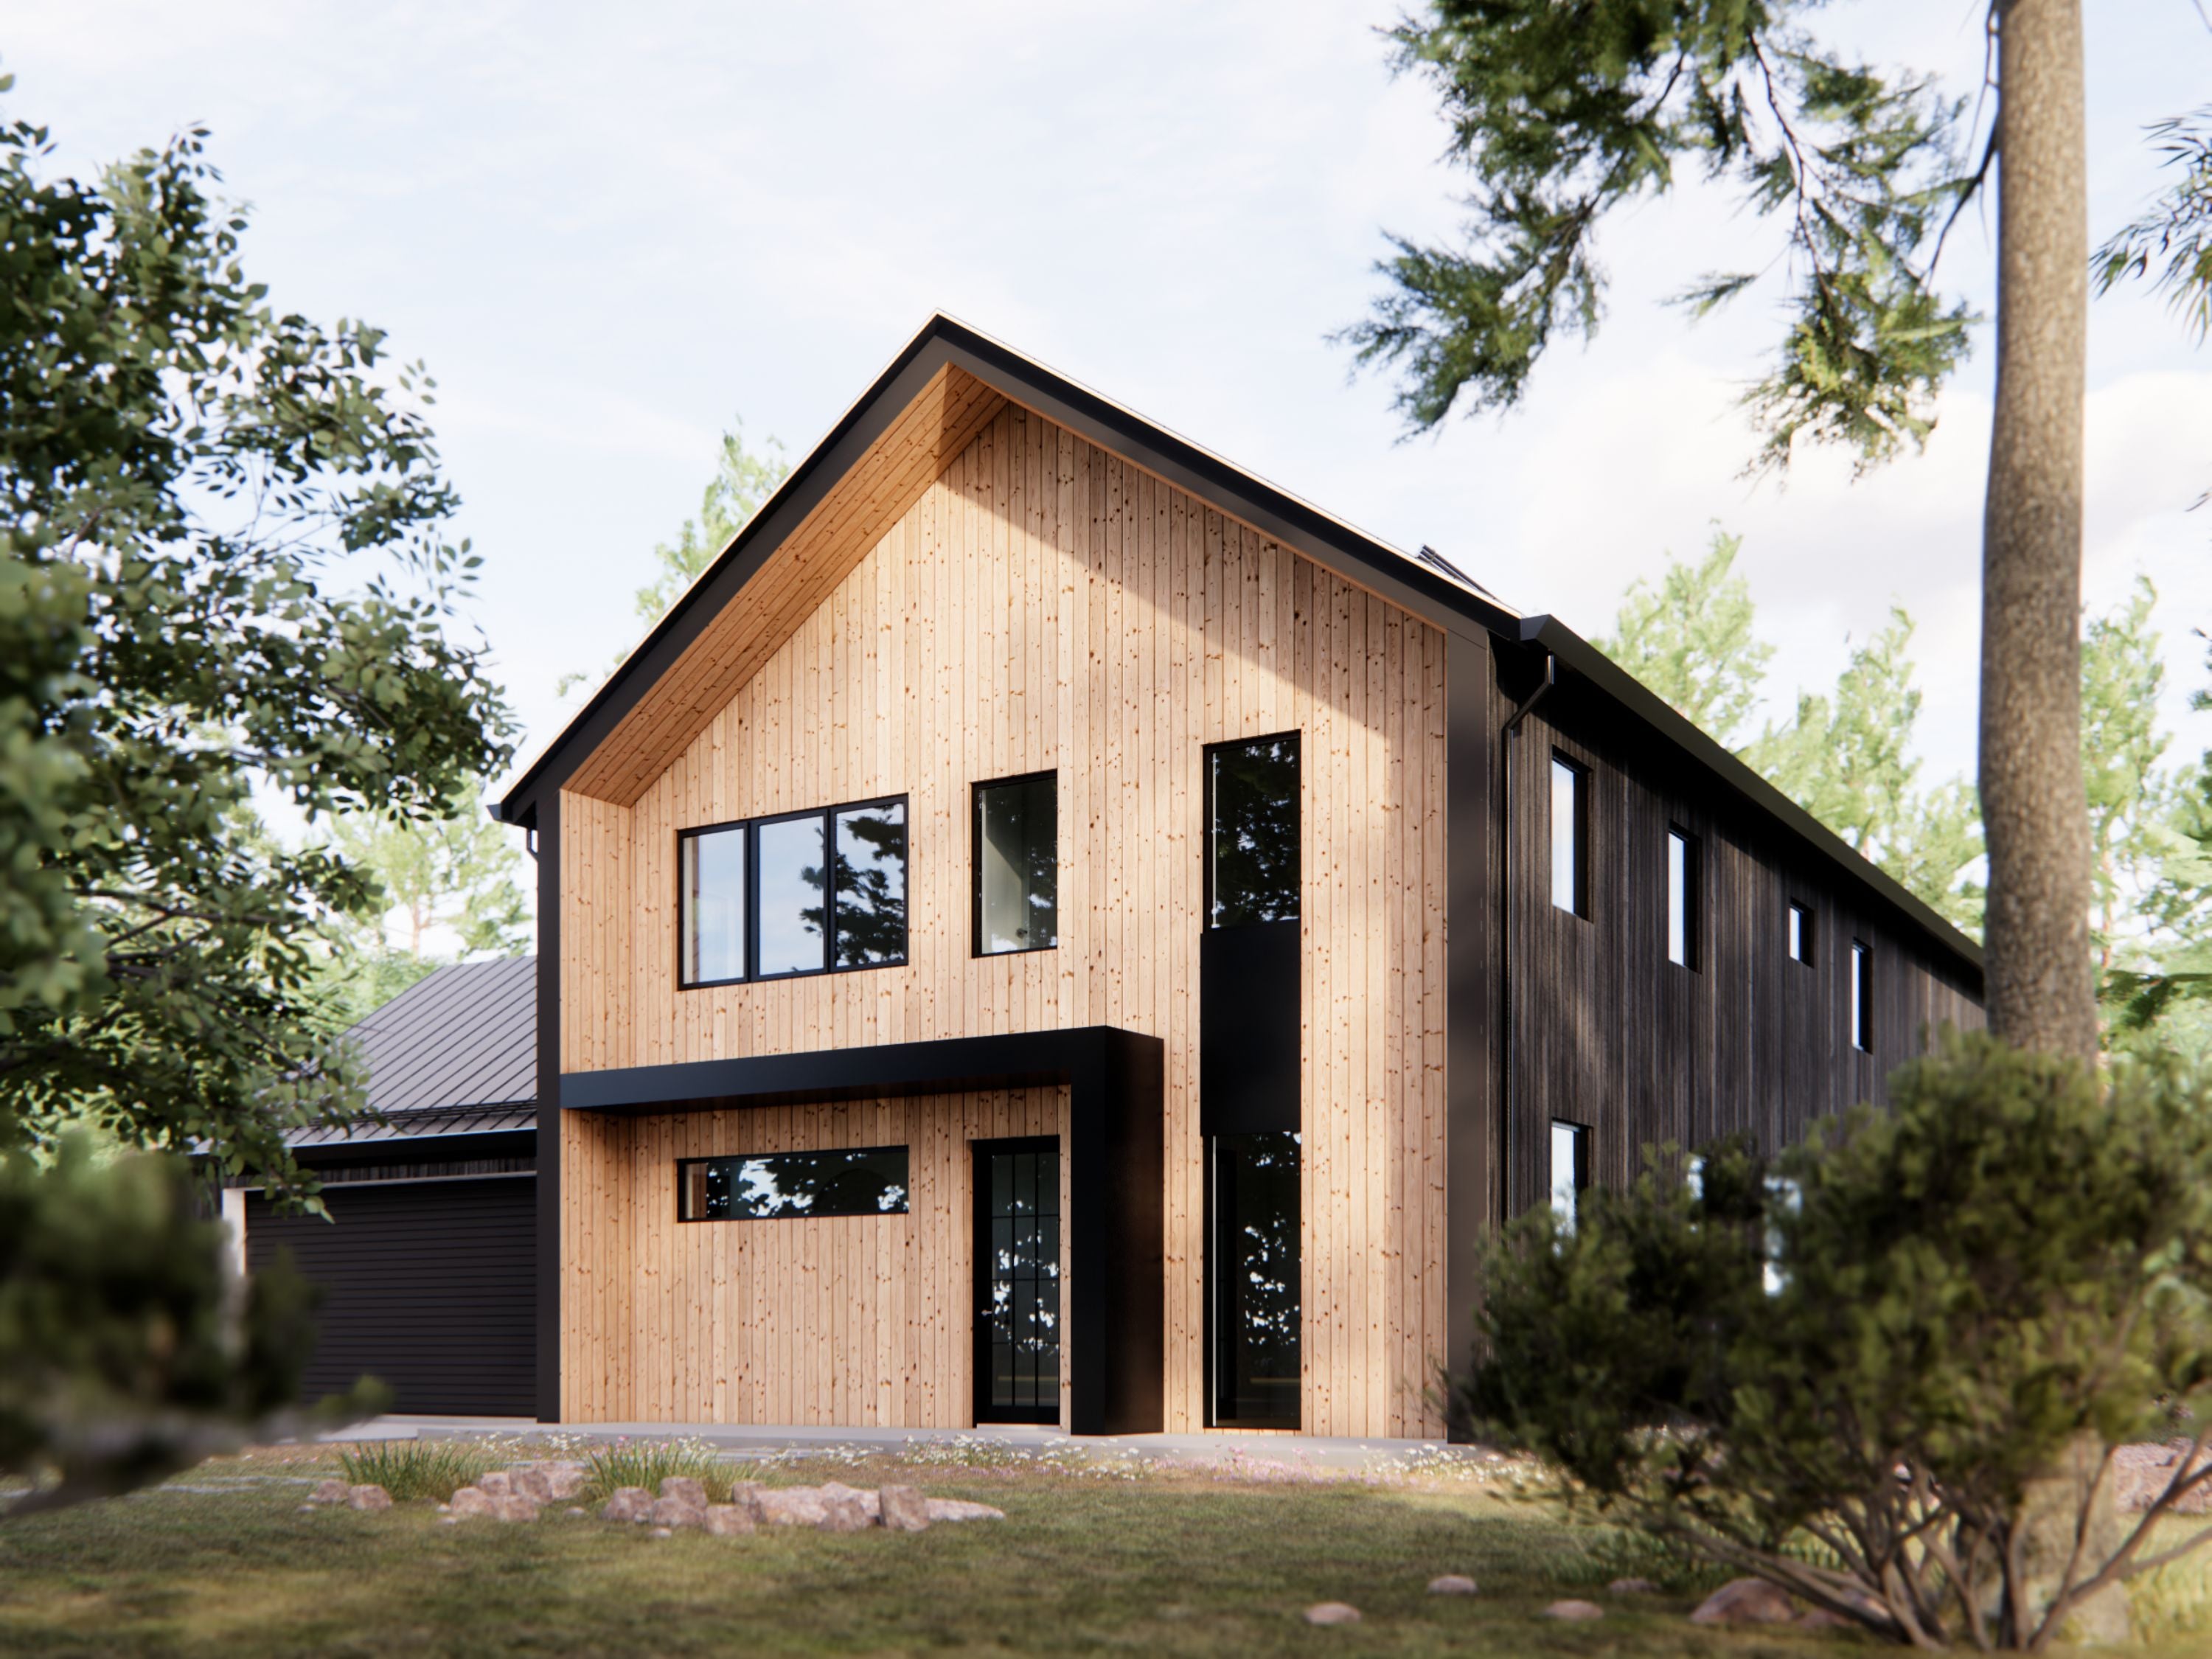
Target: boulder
(834, 1491)
(1451, 1583)
(677, 1512)
(745, 1495)
(684, 1488)
(497, 1482)
(515, 1507)
(628, 1503)
(1745, 1602)
(903, 1509)
(663, 1531)
(728, 1521)
(1631, 1587)
(959, 1509)
(531, 1483)
(564, 1480)
(1332, 1612)
(1574, 1611)
(368, 1498)
(330, 1492)
(471, 1500)
(844, 1512)
(791, 1506)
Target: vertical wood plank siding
(1041, 605)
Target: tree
(221, 569)
(1563, 114)
(2171, 246)
(2131, 802)
(1691, 640)
(1851, 1371)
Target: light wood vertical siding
(1044, 606)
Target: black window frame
(1578, 851)
(827, 817)
(1862, 996)
(1692, 895)
(1801, 915)
(975, 862)
(1582, 1135)
(906, 1205)
(1219, 1264)
(1294, 735)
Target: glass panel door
(1017, 1281)
(1253, 1340)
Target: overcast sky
(610, 230)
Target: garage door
(430, 1285)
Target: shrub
(648, 1464)
(409, 1469)
(1860, 1370)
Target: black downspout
(1505, 1056)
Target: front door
(1017, 1281)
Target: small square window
(1801, 933)
(1570, 1171)
(1570, 836)
(1016, 865)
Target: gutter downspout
(1512, 730)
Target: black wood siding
(1606, 1032)
(430, 1286)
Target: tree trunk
(2040, 995)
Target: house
(428, 1277)
(1052, 928)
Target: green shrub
(409, 1469)
(647, 1463)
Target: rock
(1745, 1602)
(515, 1507)
(903, 1509)
(369, 1498)
(531, 1483)
(572, 1511)
(677, 1512)
(663, 1532)
(1576, 1611)
(1631, 1587)
(564, 1480)
(1451, 1583)
(792, 1506)
(728, 1521)
(472, 1500)
(330, 1492)
(745, 1495)
(959, 1509)
(497, 1482)
(1332, 1612)
(843, 1513)
(628, 1503)
(684, 1488)
(833, 1490)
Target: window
(1570, 836)
(863, 1181)
(1016, 865)
(1018, 1281)
(1570, 1171)
(1681, 899)
(804, 893)
(1861, 997)
(1801, 933)
(1254, 1336)
(1252, 831)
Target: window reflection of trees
(1254, 831)
(1023, 1277)
(871, 886)
(869, 1181)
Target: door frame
(980, 1408)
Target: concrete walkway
(753, 1439)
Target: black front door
(1017, 1281)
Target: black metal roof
(454, 1054)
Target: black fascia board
(418, 1149)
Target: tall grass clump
(647, 1463)
(409, 1469)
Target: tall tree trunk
(2034, 805)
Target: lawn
(224, 1562)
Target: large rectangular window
(1861, 997)
(1016, 865)
(1681, 899)
(1570, 836)
(1570, 1171)
(843, 1181)
(1254, 1326)
(1252, 831)
(801, 893)
(1018, 1281)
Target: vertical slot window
(713, 891)
(1255, 1338)
(792, 876)
(871, 885)
(1570, 836)
(1252, 831)
(1570, 1171)
(1801, 933)
(1861, 997)
(1681, 899)
(1016, 865)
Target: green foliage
(412, 1469)
(128, 1350)
(647, 1463)
(1690, 639)
(221, 569)
(1563, 114)
(741, 483)
(1850, 1370)
(2172, 244)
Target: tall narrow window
(1018, 1281)
(870, 917)
(793, 874)
(1252, 842)
(1253, 1339)
(1861, 997)
(1801, 933)
(1681, 899)
(714, 877)
(1570, 836)
(1016, 865)
(1570, 1171)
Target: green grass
(224, 1563)
(647, 1463)
(414, 1469)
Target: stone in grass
(663, 1531)
(628, 1503)
(870, 1504)
(728, 1521)
(1745, 1602)
(1451, 1583)
(515, 1507)
(497, 1482)
(369, 1498)
(528, 1481)
(1631, 1587)
(469, 1501)
(684, 1489)
(959, 1509)
(745, 1495)
(903, 1509)
(844, 1512)
(330, 1492)
(564, 1480)
(678, 1511)
(1574, 1611)
(790, 1506)
(1332, 1612)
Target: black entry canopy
(1118, 1304)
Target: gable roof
(943, 387)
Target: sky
(610, 231)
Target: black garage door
(431, 1286)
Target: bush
(648, 1464)
(1868, 1369)
(409, 1469)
